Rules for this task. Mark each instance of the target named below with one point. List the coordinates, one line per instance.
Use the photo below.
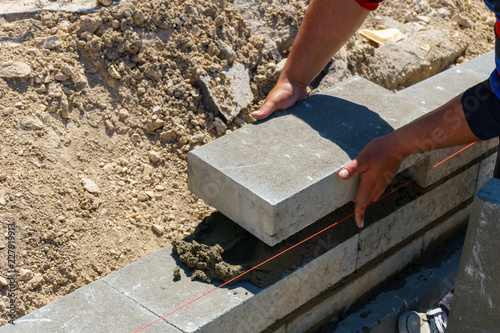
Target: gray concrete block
(96, 307)
(439, 89)
(278, 176)
(486, 169)
(236, 308)
(382, 235)
(477, 291)
(433, 157)
(449, 226)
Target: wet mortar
(220, 250)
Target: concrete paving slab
(277, 176)
(380, 236)
(237, 308)
(477, 291)
(96, 307)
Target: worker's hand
(284, 95)
(377, 164)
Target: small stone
(443, 12)
(14, 69)
(220, 127)
(123, 113)
(154, 156)
(25, 274)
(61, 76)
(68, 70)
(109, 125)
(168, 135)
(180, 90)
(177, 274)
(114, 73)
(105, 2)
(90, 186)
(461, 20)
(142, 196)
(33, 123)
(52, 42)
(158, 229)
(150, 194)
(36, 281)
(160, 188)
(154, 125)
(8, 110)
(425, 19)
(138, 17)
(197, 138)
(3, 281)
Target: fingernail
(257, 113)
(344, 173)
(362, 224)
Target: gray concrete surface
(477, 291)
(277, 176)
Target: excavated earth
(98, 110)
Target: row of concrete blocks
(144, 291)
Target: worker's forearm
(327, 25)
(441, 128)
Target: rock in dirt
(25, 274)
(14, 69)
(3, 281)
(158, 229)
(105, 2)
(52, 42)
(33, 123)
(154, 156)
(90, 186)
(220, 127)
(237, 97)
(35, 282)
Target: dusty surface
(97, 112)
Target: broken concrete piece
(14, 69)
(225, 104)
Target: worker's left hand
(377, 164)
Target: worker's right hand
(284, 95)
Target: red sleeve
(369, 4)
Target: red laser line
(306, 239)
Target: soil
(98, 111)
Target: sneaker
(433, 321)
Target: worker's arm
(327, 25)
(379, 161)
